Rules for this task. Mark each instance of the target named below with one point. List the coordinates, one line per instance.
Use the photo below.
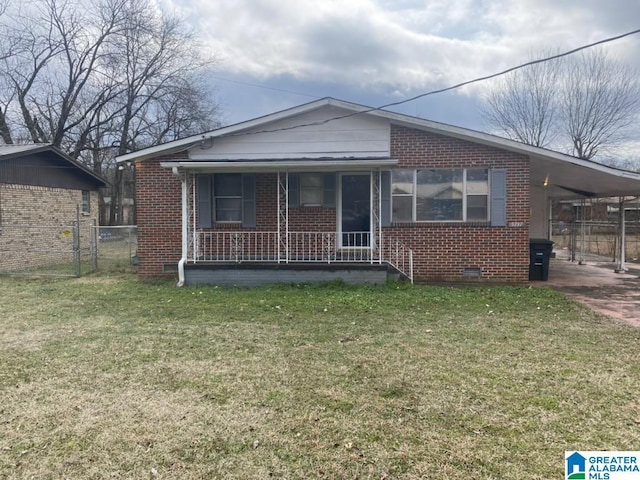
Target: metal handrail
(303, 247)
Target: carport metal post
(582, 231)
(622, 268)
(574, 240)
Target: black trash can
(539, 255)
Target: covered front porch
(239, 257)
(288, 221)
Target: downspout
(185, 226)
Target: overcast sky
(380, 51)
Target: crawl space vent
(472, 272)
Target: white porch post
(279, 201)
(283, 217)
(379, 246)
(194, 215)
(376, 210)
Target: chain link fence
(116, 248)
(580, 239)
(67, 250)
(41, 250)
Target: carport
(555, 176)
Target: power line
(446, 89)
(265, 87)
(509, 70)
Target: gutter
(297, 164)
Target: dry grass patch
(130, 380)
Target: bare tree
(600, 99)
(100, 80)
(54, 60)
(7, 50)
(22, 68)
(523, 105)
(156, 65)
(582, 104)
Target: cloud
(403, 44)
(378, 51)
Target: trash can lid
(541, 240)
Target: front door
(355, 210)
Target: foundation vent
(472, 272)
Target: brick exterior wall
(301, 219)
(441, 250)
(31, 225)
(159, 213)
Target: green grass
(106, 377)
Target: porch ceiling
(301, 164)
(581, 178)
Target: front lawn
(106, 377)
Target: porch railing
(399, 256)
(236, 247)
(310, 247)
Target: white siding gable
(356, 136)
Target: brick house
(332, 189)
(41, 189)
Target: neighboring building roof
(8, 151)
(16, 152)
(564, 176)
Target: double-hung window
(311, 189)
(226, 198)
(440, 195)
(402, 188)
(227, 191)
(86, 201)
(477, 194)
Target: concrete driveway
(597, 285)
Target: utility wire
(509, 70)
(446, 89)
(264, 87)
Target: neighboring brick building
(332, 189)
(41, 190)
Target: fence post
(76, 244)
(93, 246)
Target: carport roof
(572, 178)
